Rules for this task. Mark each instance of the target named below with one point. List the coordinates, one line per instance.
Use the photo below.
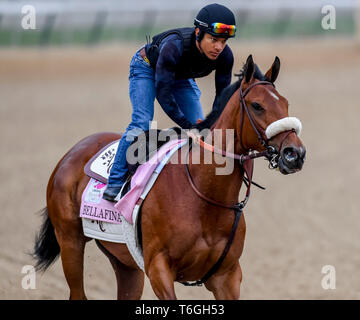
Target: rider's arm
(223, 72)
(169, 56)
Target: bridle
(246, 162)
(270, 153)
(257, 128)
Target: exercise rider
(166, 69)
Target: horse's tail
(46, 248)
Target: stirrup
(124, 189)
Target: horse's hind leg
(130, 282)
(72, 257)
(69, 234)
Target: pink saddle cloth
(142, 175)
(95, 208)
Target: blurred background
(65, 76)
(67, 22)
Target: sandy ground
(50, 99)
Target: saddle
(120, 222)
(99, 166)
(151, 141)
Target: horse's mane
(225, 96)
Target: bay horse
(183, 232)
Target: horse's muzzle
(291, 159)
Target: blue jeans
(142, 96)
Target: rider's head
(214, 24)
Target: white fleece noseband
(282, 125)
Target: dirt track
(51, 99)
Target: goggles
(219, 28)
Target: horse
(187, 219)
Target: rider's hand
(194, 134)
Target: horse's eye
(257, 106)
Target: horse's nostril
(290, 154)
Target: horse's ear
(273, 72)
(249, 68)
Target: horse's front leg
(226, 286)
(161, 277)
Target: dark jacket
(174, 55)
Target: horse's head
(265, 120)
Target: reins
(269, 153)
(241, 157)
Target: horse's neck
(215, 176)
(229, 121)
(222, 178)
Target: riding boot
(110, 193)
(118, 172)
